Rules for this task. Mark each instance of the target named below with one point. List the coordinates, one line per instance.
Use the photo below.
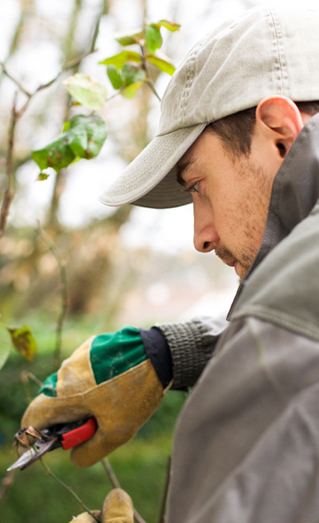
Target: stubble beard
(254, 214)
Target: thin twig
(14, 80)
(149, 79)
(9, 194)
(50, 473)
(97, 26)
(161, 514)
(64, 293)
(116, 484)
(6, 483)
(26, 377)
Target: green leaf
(42, 176)
(132, 73)
(119, 59)
(57, 154)
(131, 38)
(114, 76)
(153, 38)
(171, 26)
(23, 340)
(65, 127)
(161, 64)
(86, 90)
(5, 344)
(84, 138)
(87, 134)
(130, 91)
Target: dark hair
(236, 130)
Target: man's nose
(205, 234)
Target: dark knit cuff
(157, 350)
(191, 345)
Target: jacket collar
(294, 194)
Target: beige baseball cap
(264, 52)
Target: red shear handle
(79, 435)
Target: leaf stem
(149, 79)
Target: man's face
(230, 196)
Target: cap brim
(150, 180)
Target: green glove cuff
(110, 355)
(114, 353)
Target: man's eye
(195, 187)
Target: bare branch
(14, 80)
(6, 483)
(50, 473)
(161, 515)
(116, 484)
(64, 294)
(9, 194)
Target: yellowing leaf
(23, 340)
(86, 91)
(130, 91)
(119, 59)
(5, 344)
(163, 65)
(42, 176)
(131, 38)
(171, 26)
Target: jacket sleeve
(191, 345)
(248, 435)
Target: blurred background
(123, 266)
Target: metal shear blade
(33, 454)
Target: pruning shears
(64, 435)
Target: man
(238, 137)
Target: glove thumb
(85, 517)
(117, 507)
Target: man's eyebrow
(180, 170)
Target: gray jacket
(247, 442)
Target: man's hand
(117, 508)
(109, 377)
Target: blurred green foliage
(140, 465)
(35, 497)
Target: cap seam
(279, 52)
(190, 75)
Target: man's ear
(281, 116)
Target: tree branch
(50, 473)
(161, 514)
(9, 194)
(116, 484)
(64, 294)
(14, 80)
(6, 483)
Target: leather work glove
(117, 508)
(109, 377)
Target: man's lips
(230, 263)
(233, 263)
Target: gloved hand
(117, 508)
(109, 377)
